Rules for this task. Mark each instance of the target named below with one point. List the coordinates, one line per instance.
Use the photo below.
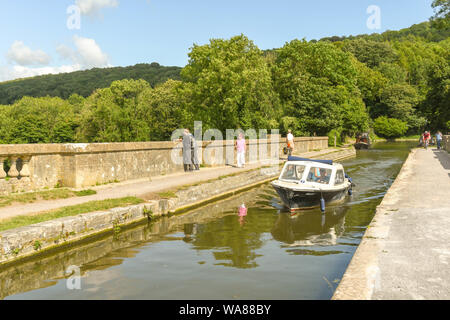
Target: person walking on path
(187, 153)
(439, 139)
(194, 152)
(290, 142)
(426, 139)
(241, 148)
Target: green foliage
(165, 109)
(84, 193)
(370, 52)
(424, 31)
(335, 133)
(83, 83)
(436, 106)
(398, 101)
(392, 72)
(317, 84)
(441, 19)
(390, 128)
(39, 120)
(229, 84)
(37, 245)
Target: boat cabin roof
(315, 164)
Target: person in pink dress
(240, 148)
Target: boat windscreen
(293, 172)
(319, 175)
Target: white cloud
(24, 56)
(86, 55)
(89, 53)
(16, 72)
(93, 7)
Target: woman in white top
(290, 142)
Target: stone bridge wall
(40, 166)
(446, 142)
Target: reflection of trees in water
(308, 229)
(232, 244)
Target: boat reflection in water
(310, 228)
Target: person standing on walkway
(194, 152)
(290, 142)
(240, 147)
(439, 139)
(187, 154)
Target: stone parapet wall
(39, 166)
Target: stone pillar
(13, 173)
(25, 172)
(2, 169)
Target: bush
(389, 127)
(331, 134)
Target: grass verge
(91, 206)
(54, 194)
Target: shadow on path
(444, 158)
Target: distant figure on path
(187, 153)
(426, 139)
(241, 146)
(290, 142)
(439, 139)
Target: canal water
(245, 247)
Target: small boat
(305, 183)
(362, 141)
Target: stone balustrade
(446, 142)
(39, 166)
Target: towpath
(405, 253)
(139, 188)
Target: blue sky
(35, 38)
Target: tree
(436, 105)
(390, 128)
(392, 72)
(441, 18)
(165, 109)
(39, 120)
(5, 124)
(317, 84)
(370, 52)
(399, 101)
(370, 82)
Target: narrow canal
(218, 252)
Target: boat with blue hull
(306, 183)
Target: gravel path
(405, 253)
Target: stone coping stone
(75, 148)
